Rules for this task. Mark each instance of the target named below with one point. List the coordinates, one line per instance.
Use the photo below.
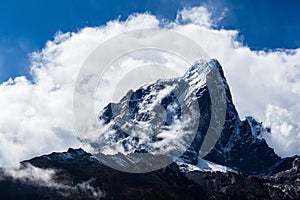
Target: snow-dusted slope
(202, 165)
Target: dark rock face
(248, 153)
(75, 167)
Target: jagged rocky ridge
(76, 168)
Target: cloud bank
(36, 115)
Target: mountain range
(182, 138)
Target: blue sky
(27, 25)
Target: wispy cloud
(29, 174)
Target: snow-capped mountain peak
(158, 118)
